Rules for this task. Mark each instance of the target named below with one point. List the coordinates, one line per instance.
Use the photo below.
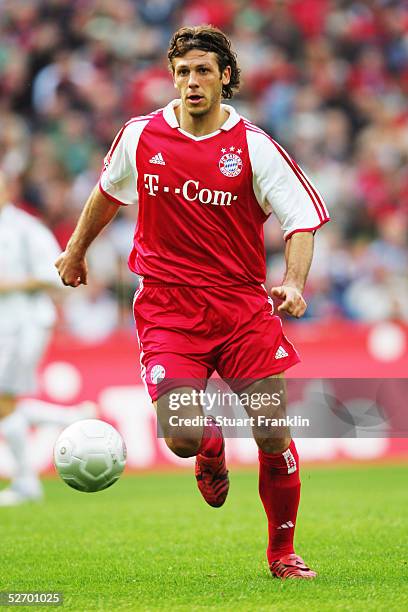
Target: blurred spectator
(328, 80)
(92, 314)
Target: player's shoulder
(132, 129)
(141, 120)
(262, 148)
(256, 134)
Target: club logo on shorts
(157, 374)
(230, 164)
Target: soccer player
(27, 254)
(205, 180)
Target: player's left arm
(298, 255)
(281, 187)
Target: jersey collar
(170, 116)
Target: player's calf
(272, 445)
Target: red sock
(279, 489)
(212, 440)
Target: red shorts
(187, 333)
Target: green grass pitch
(151, 543)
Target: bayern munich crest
(157, 374)
(230, 163)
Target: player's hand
(293, 302)
(72, 269)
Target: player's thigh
(267, 396)
(174, 382)
(175, 350)
(265, 401)
(180, 414)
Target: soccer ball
(90, 455)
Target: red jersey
(203, 200)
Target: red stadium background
(109, 373)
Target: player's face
(197, 77)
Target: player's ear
(226, 75)
(173, 75)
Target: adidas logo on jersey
(157, 159)
(280, 353)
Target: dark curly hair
(207, 38)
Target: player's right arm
(97, 213)
(117, 186)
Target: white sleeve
(280, 186)
(118, 180)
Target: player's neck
(201, 125)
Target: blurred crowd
(327, 79)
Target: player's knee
(273, 445)
(183, 447)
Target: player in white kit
(27, 315)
